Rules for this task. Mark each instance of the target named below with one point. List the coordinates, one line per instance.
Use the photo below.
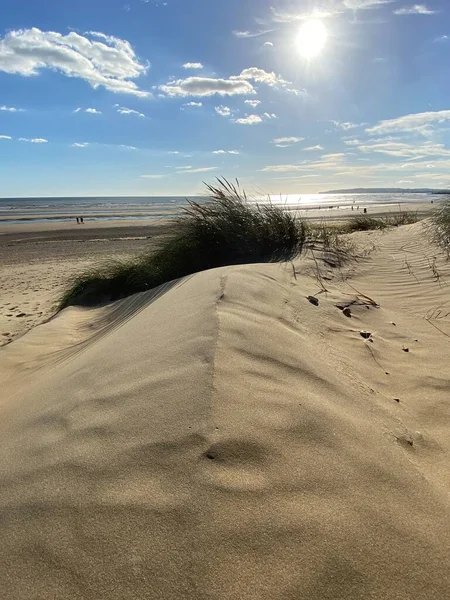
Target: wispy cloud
(193, 65)
(193, 170)
(223, 111)
(194, 104)
(249, 120)
(226, 152)
(251, 34)
(403, 149)
(153, 176)
(416, 123)
(366, 4)
(123, 110)
(416, 9)
(5, 137)
(270, 115)
(98, 59)
(346, 125)
(441, 38)
(33, 140)
(284, 142)
(279, 16)
(270, 44)
(313, 148)
(11, 109)
(80, 144)
(126, 147)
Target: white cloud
(253, 103)
(249, 120)
(226, 152)
(194, 104)
(206, 86)
(193, 65)
(261, 76)
(346, 125)
(34, 140)
(5, 137)
(98, 59)
(328, 162)
(270, 115)
(125, 147)
(269, 44)
(92, 111)
(123, 110)
(11, 109)
(251, 34)
(403, 149)
(318, 147)
(441, 38)
(416, 9)
(80, 145)
(286, 17)
(416, 122)
(365, 4)
(223, 111)
(153, 176)
(284, 142)
(192, 170)
(234, 85)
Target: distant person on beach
(365, 211)
(81, 220)
(78, 221)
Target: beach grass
(226, 230)
(366, 222)
(439, 225)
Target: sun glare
(311, 38)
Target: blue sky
(151, 97)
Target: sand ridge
(228, 439)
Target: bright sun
(311, 38)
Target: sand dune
(224, 438)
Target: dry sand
(224, 438)
(37, 259)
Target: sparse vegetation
(439, 225)
(368, 223)
(226, 230)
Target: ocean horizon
(110, 208)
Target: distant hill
(387, 191)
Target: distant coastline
(387, 191)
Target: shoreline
(38, 259)
(37, 262)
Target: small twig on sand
(293, 270)
(408, 266)
(361, 295)
(374, 358)
(317, 274)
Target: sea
(39, 210)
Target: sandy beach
(222, 437)
(37, 260)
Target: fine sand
(223, 438)
(37, 259)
